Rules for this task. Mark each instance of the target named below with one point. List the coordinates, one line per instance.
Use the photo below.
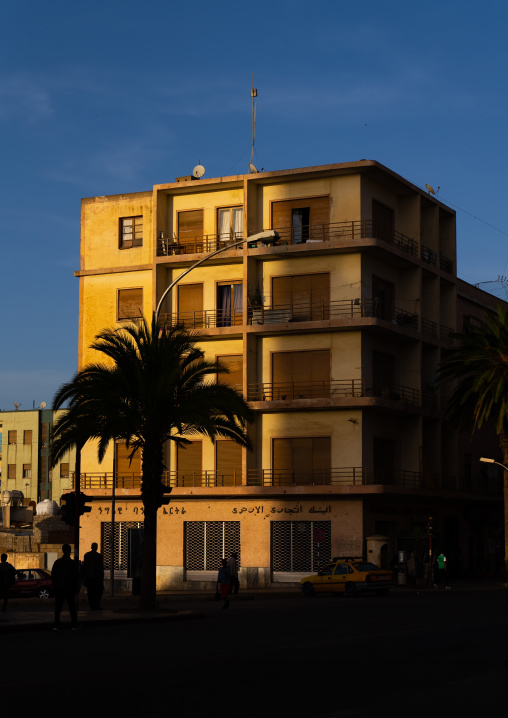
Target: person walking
(7, 579)
(442, 571)
(65, 577)
(233, 567)
(224, 581)
(92, 572)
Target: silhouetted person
(65, 577)
(233, 567)
(224, 581)
(92, 572)
(7, 578)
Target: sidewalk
(33, 614)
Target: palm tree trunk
(150, 494)
(503, 442)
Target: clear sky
(109, 97)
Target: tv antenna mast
(253, 94)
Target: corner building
(334, 335)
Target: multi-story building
(334, 334)
(25, 456)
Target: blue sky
(112, 97)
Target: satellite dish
(429, 189)
(198, 171)
(252, 168)
(43, 404)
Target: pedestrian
(92, 572)
(442, 571)
(224, 581)
(233, 567)
(7, 579)
(65, 577)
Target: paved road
(405, 654)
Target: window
(294, 549)
(131, 232)
(229, 304)
(11, 471)
(305, 296)
(12, 437)
(27, 436)
(189, 461)
(301, 460)
(382, 374)
(233, 362)
(228, 463)
(300, 375)
(302, 220)
(382, 298)
(230, 223)
(190, 229)
(190, 305)
(130, 303)
(383, 222)
(127, 468)
(384, 460)
(64, 471)
(128, 536)
(27, 471)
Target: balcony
(433, 330)
(296, 312)
(348, 476)
(334, 388)
(313, 233)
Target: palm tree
(152, 389)
(479, 365)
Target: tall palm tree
(479, 365)
(154, 387)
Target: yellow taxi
(349, 576)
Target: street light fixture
(484, 460)
(269, 236)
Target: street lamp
(484, 460)
(269, 236)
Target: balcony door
(307, 296)
(302, 220)
(230, 223)
(300, 375)
(301, 460)
(189, 460)
(190, 305)
(229, 304)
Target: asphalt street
(409, 653)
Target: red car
(32, 582)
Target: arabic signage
(266, 511)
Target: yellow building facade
(333, 333)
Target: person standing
(233, 567)
(65, 577)
(92, 572)
(7, 579)
(442, 571)
(224, 581)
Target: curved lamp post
(267, 237)
(491, 461)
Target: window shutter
(11, 471)
(235, 365)
(190, 225)
(190, 304)
(130, 303)
(12, 437)
(27, 436)
(124, 467)
(190, 464)
(228, 463)
(302, 460)
(64, 471)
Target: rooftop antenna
(253, 94)
(431, 189)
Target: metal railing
(313, 233)
(334, 388)
(445, 264)
(318, 310)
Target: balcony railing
(296, 312)
(335, 388)
(349, 476)
(445, 264)
(313, 233)
(432, 329)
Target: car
(348, 576)
(32, 582)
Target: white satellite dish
(252, 168)
(198, 171)
(429, 189)
(43, 404)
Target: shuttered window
(27, 436)
(190, 464)
(301, 375)
(190, 225)
(300, 220)
(124, 466)
(228, 463)
(131, 232)
(233, 362)
(307, 296)
(11, 471)
(27, 471)
(301, 460)
(12, 437)
(130, 303)
(64, 471)
(383, 221)
(190, 304)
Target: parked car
(350, 577)
(32, 582)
